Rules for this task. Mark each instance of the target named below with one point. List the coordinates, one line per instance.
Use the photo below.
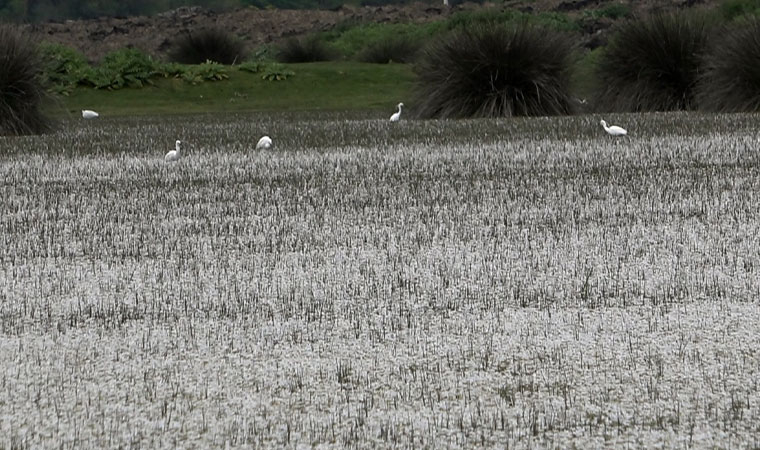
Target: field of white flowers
(425, 284)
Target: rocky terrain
(154, 34)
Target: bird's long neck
(399, 109)
(176, 147)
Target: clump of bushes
(22, 92)
(198, 73)
(398, 50)
(212, 44)
(731, 74)
(63, 68)
(495, 71)
(652, 64)
(127, 67)
(304, 50)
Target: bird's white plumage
(89, 114)
(265, 143)
(174, 154)
(613, 130)
(397, 115)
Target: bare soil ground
(154, 34)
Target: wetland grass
(497, 283)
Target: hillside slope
(154, 34)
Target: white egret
(89, 114)
(265, 143)
(174, 154)
(613, 130)
(396, 116)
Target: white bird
(613, 130)
(396, 116)
(89, 114)
(265, 143)
(174, 154)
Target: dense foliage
(127, 67)
(731, 75)
(652, 64)
(22, 93)
(495, 71)
(64, 68)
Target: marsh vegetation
(426, 284)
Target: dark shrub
(21, 90)
(730, 81)
(211, 44)
(398, 50)
(303, 50)
(495, 71)
(652, 64)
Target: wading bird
(265, 143)
(174, 154)
(613, 130)
(396, 116)
(89, 114)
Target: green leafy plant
(63, 68)
(276, 72)
(173, 70)
(495, 71)
(208, 71)
(652, 64)
(268, 71)
(125, 68)
(252, 66)
(22, 92)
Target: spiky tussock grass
(304, 50)
(652, 64)
(22, 93)
(730, 81)
(211, 44)
(495, 71)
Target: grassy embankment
(335, 85)
(315, 86)
(329, 86)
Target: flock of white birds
(265, 143)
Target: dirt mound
(154, 35)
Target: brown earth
(155, 34)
